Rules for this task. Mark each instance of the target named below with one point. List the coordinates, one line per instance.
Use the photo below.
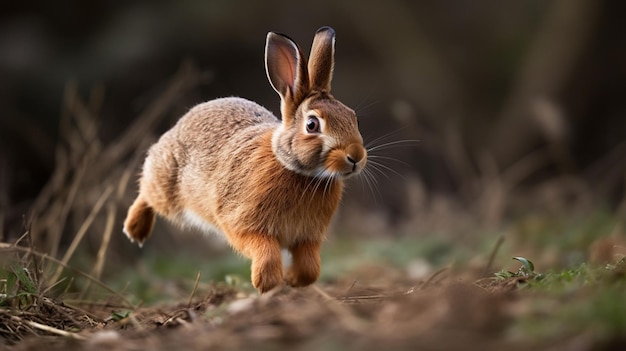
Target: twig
(350, 288)
(186, 78)
(367, 297)
(82, 231)
(195, 287)
(20, 238)
(58, 282)
(49, 329)
(350, 321)
(106, 239)
(83, 311)
(66, 206)
(59, 308)
(100, 304)
(433, 276)
(68, 286)
(34, 258)
(492, 256)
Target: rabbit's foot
(139, 221)
(306, 264)
(267, 265)
(267, 275)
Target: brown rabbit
(229, 165)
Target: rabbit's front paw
(306, 264)
(267, 275)
(302, 277)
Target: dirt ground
(440, 314)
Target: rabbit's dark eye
(312, 125)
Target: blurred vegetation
(517, 105)
(518, 108)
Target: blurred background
(517, 108)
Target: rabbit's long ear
(321, 60)
(286, 68)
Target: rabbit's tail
(139, 221)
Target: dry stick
(83, 145)
(431, 278)
(106, 239)
(34, 258)
(345, 295)
(49, 329)
(82, 231)
(193, 292)
(6, 246)
(350, 321)
(108, 231)
(492, 257)
(96, 318)
(124, 180)
(59, 308)
(68, 286)
(102, 304)
(184, 79)
(2, 215)
(70, 103)
(86, 125)
(62, 166)
(491, 192)
(51, 189)
(66, 207)
(111, 215)
(21, 237)
(621, 209)
(45, 291)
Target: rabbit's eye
(312, 125)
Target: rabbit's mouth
(356, 169)
(346, 162)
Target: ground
(447, 310)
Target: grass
(586, 300)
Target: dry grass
(90, 176)
(450, 309)
(223, 317)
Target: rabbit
(230, 166)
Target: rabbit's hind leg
(139, 221)
(306, 264)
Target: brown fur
(229, 164)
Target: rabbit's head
(319, 135)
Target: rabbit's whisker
(363, 107)
(380, 157)
(380, 166)
(392, 144)
(382, 137)
(372, 183)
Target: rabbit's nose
(355, 153)
(351, 161)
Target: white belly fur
(190, 218)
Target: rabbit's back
(190, 158)
(211, 125)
